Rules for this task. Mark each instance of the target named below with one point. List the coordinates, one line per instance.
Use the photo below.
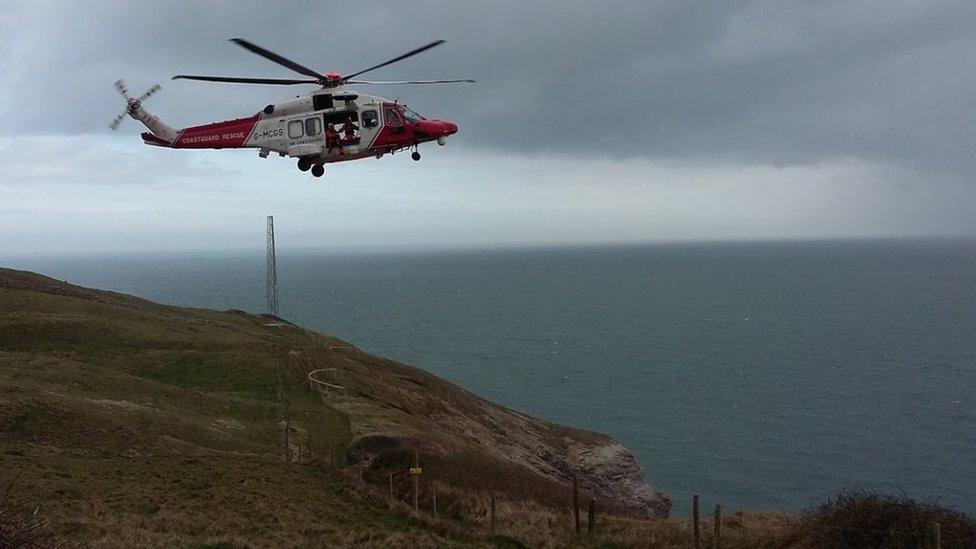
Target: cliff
(95, 382)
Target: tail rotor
(132, 103)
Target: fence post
(717, 542)
(935, 535)
(391, 490)
(416, 483)
(590, 517)
(491, 514)
(697, 518)
(434, 489)
(576, 504)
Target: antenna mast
(271, 291)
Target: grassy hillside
(129, 422)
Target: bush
(867, 519)
(22, 527)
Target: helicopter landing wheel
(304, 164)
(318, 170)
(415, 155)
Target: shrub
(867, 519)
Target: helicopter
(330, 124)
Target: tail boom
(160, 130)
(228, 134)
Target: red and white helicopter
(331, 124)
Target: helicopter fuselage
(329, 125)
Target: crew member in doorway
(349, 129)
(332, 139)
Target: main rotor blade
(278, 59)
(411, 53)
(386, 82)
(236, 80)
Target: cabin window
(370, 119)
(322, 101)
(295, 129)
(313, 126)
(392, 117)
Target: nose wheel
(318, 170)
(304, 164)
(415, 155)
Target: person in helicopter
(332, 139)
(349, 129)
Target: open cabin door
(342, 131)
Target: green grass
(212, 500)
(239, 374)
(131, 423)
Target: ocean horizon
(758, 374)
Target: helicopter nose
(435, 129)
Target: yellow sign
(415, 470)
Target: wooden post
(416, 483)
(491, 514)
(287, 439)
(590, 517)
(935, 535)
(391, 490)
(434, 490)
(697, 519)
(717, 541)
(576, 504)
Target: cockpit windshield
(411, 115)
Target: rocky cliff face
(458, 426)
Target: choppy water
(756, 375)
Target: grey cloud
(742, 82)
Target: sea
(755, 374)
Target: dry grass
(23, 526)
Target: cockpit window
(392, 117)
(412, 115)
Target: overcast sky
(590, 122)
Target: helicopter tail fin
(161, 133)
(154, 140)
